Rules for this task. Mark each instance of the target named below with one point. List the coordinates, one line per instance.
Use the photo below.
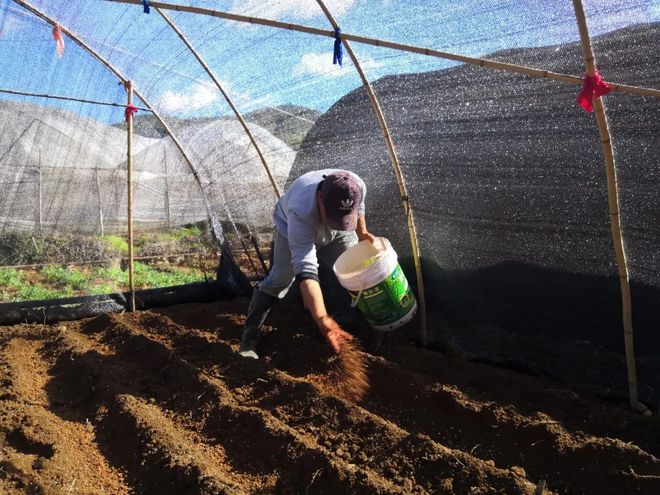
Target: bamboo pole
(129, 180)
(65, 98)
(167, 194)
(481, 62)
(403, 191)
(615, 218)
(100, 203)
(40, 205)
(226, 97)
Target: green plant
(36, 292)
(114, 274)
(147, 276)
(10, 277)
(186, 233)
(96, 290)
(115, 243)
(183, 239)
(63, 277)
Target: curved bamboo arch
(430, 52)
(215, 223)
(403, 190)
(615, 218)
(227, 99)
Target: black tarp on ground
(507, 182)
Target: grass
(10, 277)
(116, 243)
(147, 276)
(13, 287)
(36, 293)
(189, 238)
(63, 277)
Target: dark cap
(341, 199)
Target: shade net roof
(505, 173)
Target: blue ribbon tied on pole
(338, 52)
(146, 4)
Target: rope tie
(338, 54)
(593, 88)
(59, 40)
(130, 111)
(146, 4)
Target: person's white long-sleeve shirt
(297, 218)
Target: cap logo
(346, 204)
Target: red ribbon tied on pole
(594, 87)
(130, 110)
(59, 40)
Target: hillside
(290, 123)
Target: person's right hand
(334, 333)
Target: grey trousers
(281, 276)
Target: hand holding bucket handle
(361, 230)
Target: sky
(262, 66)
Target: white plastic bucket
(373, 277)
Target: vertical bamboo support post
(40, 218)
(167, 194)
(98, 196)
(129, 180)
(399, 176)
(615, 219)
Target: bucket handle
(357, 299)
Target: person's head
(339, 199)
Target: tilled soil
(158, 402)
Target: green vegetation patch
(63, 277)
(116, 243)
(62, 274)
(10, 277)
(36, 293)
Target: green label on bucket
(388, 301)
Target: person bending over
(319, 217)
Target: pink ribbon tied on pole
(130, 110)
(593, 87)
(59, 40)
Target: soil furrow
(39, 436)
(144, 366)
(537, 444)
(158, 454)
(350, 432)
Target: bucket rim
(348, 275)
